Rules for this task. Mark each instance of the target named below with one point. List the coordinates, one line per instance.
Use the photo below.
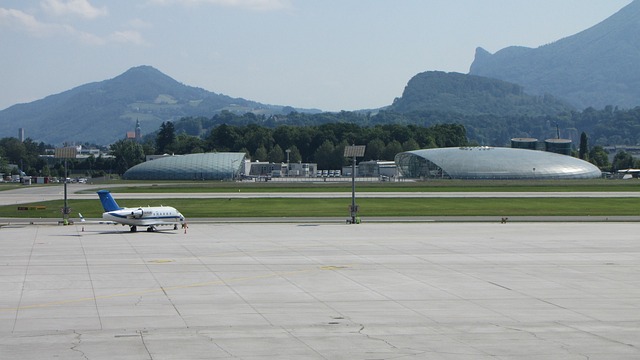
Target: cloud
(20, 21)
(16, 19)
(81, 8)
(127, 37)
(139, 24)
(260, 5)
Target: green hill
(471, 95)
(103, 112)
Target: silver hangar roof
(208, 166)
(492, 163)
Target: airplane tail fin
(108, 203)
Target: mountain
(103, 112)
(596, 67)
(436, 91)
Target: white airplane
(142, 216)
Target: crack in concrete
(144, 343)
(411, 352)
(77, 342)
(212, 340)
(600, 336)
(562, 345)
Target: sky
(324, 54)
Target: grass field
(391, 207)
(280, 207)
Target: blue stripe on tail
(108, 203)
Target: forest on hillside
(609, 126)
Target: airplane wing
(83, 220)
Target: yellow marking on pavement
(333, 267)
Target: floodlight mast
(353, 152)
(65, 153)
(65, 210)
(354, 209)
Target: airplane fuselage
(145, 216)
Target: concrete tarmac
(310, 290)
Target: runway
(321, 291)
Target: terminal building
(486, 162)
(376, 168)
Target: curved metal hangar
(208, 166)
(492, 163)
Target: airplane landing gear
(175, 226)
(133, 228)
(151, 229)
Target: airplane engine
(138, 213)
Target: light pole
(66, 153)
(353, 152)
(65, 210)
(288, 152)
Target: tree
(46, 171)
(191, 126)
(90, 164)
(257, 136)
(449, 135)
(374, 150)
(399, 132)
(276, 155)
(127, 153)
(583, 152)
(187, 144)
(338, 155)
(391, 150)
(165, 138)
(4, 166)
(261, 154)
(410, 145)
(224, 138)
(599, 157)
(324, 155)
(294, 155)
(14, 150)
(622, 160)
(286, 135)
(149, 146)
(24, 154)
